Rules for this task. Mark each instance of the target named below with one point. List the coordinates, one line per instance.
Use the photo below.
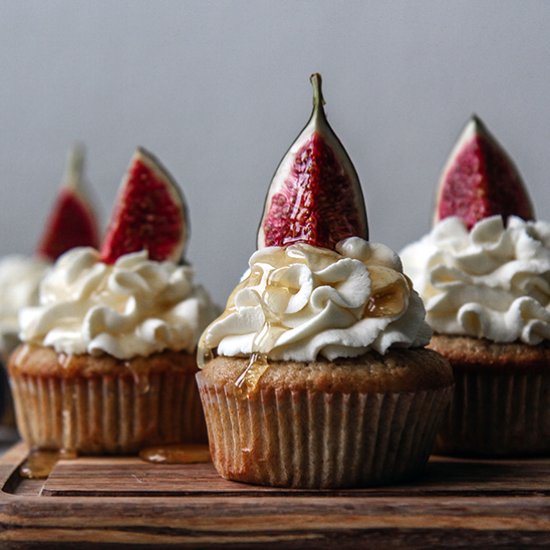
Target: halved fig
(481, 180)
(149, 214)
(315, 196)
(72, 220)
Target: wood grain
(130, 476)
(124, 501)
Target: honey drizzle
(176, 454)
(390, 291)
(259, 280)
(248, 380)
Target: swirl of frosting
(491, 282)
(298, 302)
(20, 277)
(132, 308)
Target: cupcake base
(501, 402)
(101, 405)
(325, 425)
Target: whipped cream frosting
(134, 307)
(20, 277)
(491, 282)
(299, 302)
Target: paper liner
(314, 439)
(107, 414)
(497, 415)
(7, 413)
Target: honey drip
(265, 340)
(176, 454)
(259, 280)
(390, 292)
(248, 380)
(39, 464)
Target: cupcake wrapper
(7, 413)
(107, 414)
(314, 439)
(497, 414)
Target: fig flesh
(72, 221)
(149, 213)
(481, 180)
(315, 196)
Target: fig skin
(72, 220)
(481, 180)
(315, 195)
(150, 213)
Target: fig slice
(315, 196)
(480, 180)
(72, 220)
(149, 214)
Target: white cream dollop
(491, 282)
(135, 307)
(20, 277)
(299, 302)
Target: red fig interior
(481, 180)
(149, 214)
(315, 196)
(72, 221)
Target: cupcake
(107, 362)
(484, 274)
(71, 223)
(19, 279)
(315, 375)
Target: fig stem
(75, 166)
(318, 99)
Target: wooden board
(88, 502)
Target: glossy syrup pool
(176, 454)
(39, 464)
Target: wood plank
(443, 476)
(488, 503)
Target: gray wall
(218, 90)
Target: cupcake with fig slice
(71, 222)
(107, 362)
(484, 274)
(315, 375)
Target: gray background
(218, 90)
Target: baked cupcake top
(316, 287)
(483, 271)
(131, 298)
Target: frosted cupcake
(108, 357)
(315, 374)
(484, 274)
(19, 280)
(71, 222)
